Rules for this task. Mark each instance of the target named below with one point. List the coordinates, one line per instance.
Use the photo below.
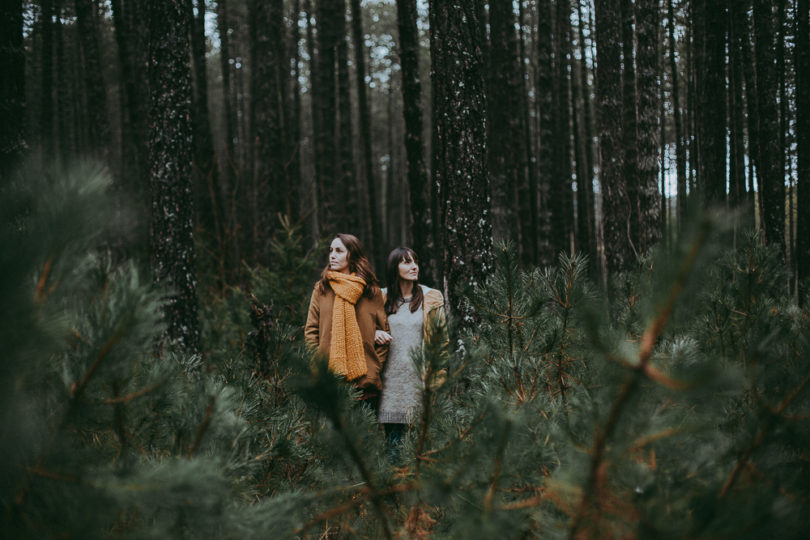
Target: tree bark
(46, 131)
(351, 211)
(12, 88)
(172, 227)
(772, 187)
(420, 219)
(589, 226)
(561, 197)
(268, 87)
(460, 159)
(615, 208)
(99, 124)
(630, 126)
(802, 58)
(545, 106)
(648, 202)
(680, 150)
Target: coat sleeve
(312, 327)
(382, 324)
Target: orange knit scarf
(346, 356)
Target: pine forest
(609, 198)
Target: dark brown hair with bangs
(394, 298)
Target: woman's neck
(405, 288)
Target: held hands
(382, 337)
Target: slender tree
(12, 87)
(46, 131)
(736, 112)
(460, 160)
(545, 106)
(680, 150)
(96, 91)
(561, 197)
(503, 120)
(223, 29)
(65, 110)
(171, 233)
(294, 119)
(647, 209)
(352, 212)
(268, 86)
(420, 219)
(629, 131)
(615, 208)
(802, 58)
(772, 187)
(527, 191)
(369, 185)
(585, 183)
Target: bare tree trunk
(545, 105)
(99, 123)
(46, 90)
(772, 186)
(680, 150)
(460, 159)
(12, 88)
(648, 203)
(412, 113)
(802, 52)
(65, 110)
(615, 207)
(527, 194)
(587, 130)
(561, 197)
(172, 228)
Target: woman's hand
(381, 337)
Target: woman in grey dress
(408, 305)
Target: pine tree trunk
(545, 106)
(12, 88)
(648, 203)
(65, 112)
(172, 227)
(99, 124)
(711, 109)
(369, 186)
(210, 199)
(630, 127)
(527, 195)
(412, 114)
(615, 208)
(268, 87)
(680, 150)
(460, 160)
(46, 89)
(332, 197)
(352, 212)
(227, 91)
(315, 109)
(503, 120)
(802, 52)
(737, 194)
(587, 131)
(742, 25)
(295, 192)
(561, 197)
(772, 187)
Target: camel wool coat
(370, 318)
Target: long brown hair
(358, 264)
(394, 298)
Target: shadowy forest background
(612, 194)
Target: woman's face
(338, 257)
(408, 270)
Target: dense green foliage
(678, 408)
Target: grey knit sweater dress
(402, 385)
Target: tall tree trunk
(268, 86)
(680, 150)
(135, 111)
(12, 88)
(315, 108)
(648, 203)
(172, 228)
(527, 194)
(561, 198)
(294, 121)
(736, 118)
(352, 217)
(615, 208)
(46, 89)
(229, 168)
(545, 106)
(503, 120)
(742, 26)
(412, 112)
(772, 185)
(802, 58)
(332, 196)
(99, 124)
(369, 191)
(210, 199)
(630, 126)
(460, 159)
(711, 109)
(587, 131)
(65, 111)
